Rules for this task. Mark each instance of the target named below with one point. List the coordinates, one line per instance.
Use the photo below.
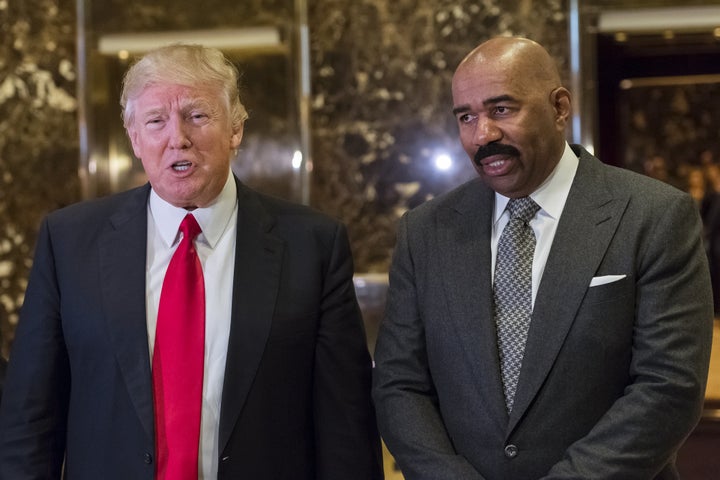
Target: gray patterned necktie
(513, 291)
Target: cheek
(144, 145)
(470, 150)
(151, 157)
(134, 141)
(467, 141)
(149, 166)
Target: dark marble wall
(380, 104)
(38, 135)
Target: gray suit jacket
(613, 376)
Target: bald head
(518, 57)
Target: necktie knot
(523, 208)
(189, 227)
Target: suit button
(148, 458)
(225, 458)
(511, 451)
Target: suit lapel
(258, 257)
(123, 247)
(588, 223)
(464, 246)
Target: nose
(179, 136)
(486, 131)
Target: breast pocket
(621, 290)
(603, 326)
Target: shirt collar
(553, 192)
(213, 219)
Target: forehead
(162, 96)
(479, 82)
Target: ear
(236, 138)
(561, 100)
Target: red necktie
(178, 361)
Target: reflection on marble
(38, 136)
(162, 15)
(371, 290)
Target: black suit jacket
(295, 401)
(617, 354)
(3, 366)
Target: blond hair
(183, 64)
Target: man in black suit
(285, 370)
(596, 369)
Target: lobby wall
(38, 135)
(380, 109)
(380, 104)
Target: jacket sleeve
(405, 397)
(33, 413)
(672, 336)
(347, 439)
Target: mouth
(497, 165)
(181, 166)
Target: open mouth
(500, 165)
(181, 166)
(495, 163)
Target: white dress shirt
(550, 196)
(216, 249)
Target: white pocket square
(605, 279)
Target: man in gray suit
(613, 362)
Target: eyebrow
(490, 101)
(153, 112)
(193, 103)
(460, 109)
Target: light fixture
(443, 162)
(656, 20)
(223, 39)
(297, 159)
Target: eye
(154, 122)
(466, 118)
(502, 110)
(198, 117)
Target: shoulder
(102, 207)
(470, 195)
(621, 182)
(282, 215)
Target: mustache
(494, 149)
